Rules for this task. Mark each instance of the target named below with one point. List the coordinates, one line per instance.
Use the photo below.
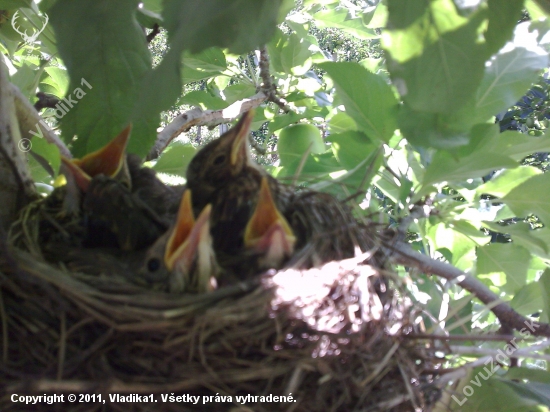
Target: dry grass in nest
(323, 335)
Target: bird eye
(219, 160)
(153, 265)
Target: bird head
(268, 233)
(110, 161)
(184, 256)
(222, 159)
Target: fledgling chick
(184, 256)
(268, 233)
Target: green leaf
(314, 168)
(38, 173)
(523, 235)
(507, 79)
(376, 17)
(461, 246)
(290, 53)
(388, 184)
(238, 92)
(295, 56)
(106, 62)
(532, 196)
(204, 65)
(507, 260)
(535, 391)
(503, 18)
(530, 374)
(274, 48)
(502, 183)
(278, 122)
(14, 4)
(239, 25)
(441, 131)
(175, 160)
(26, 79)
(153, 5)
(298, 139)
(48, 152)
(340, 18)
(367, 97)
(286, 7)
(492, 395)
(443, 78)
(355, 180)
(147, 18)
(517, 145)
(209, 60)
(528, 299)
(341, 122)
(403, 13)
(59, 79)
(203, 99)
(447, 168)
(351, 148)
(544, 282)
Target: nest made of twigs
(329, 337)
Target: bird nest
(332, 338)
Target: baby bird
(123, 204)
(268, 233)
(184, 257)
(224, 174)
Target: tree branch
(16, 185)
(268, 88)
(31, 124)
(401, 253)
(198, 117)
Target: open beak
(239, 135)
(189, 254)
(81, 178)
(268, 232)
(109, 160)
(178, 241)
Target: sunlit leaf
(532, 196)
(528, 299)
(351, 148)
(367, 98)
(175, 160)
(506, 180)
(340, 18)
(446, 168)
(523, 235)
(508, 260)
(506, 80)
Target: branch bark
(31, 124)
(403, 254)
(198, 117)
(16, 185)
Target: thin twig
(267, 82)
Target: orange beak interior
(107, 160)
(266, 216)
